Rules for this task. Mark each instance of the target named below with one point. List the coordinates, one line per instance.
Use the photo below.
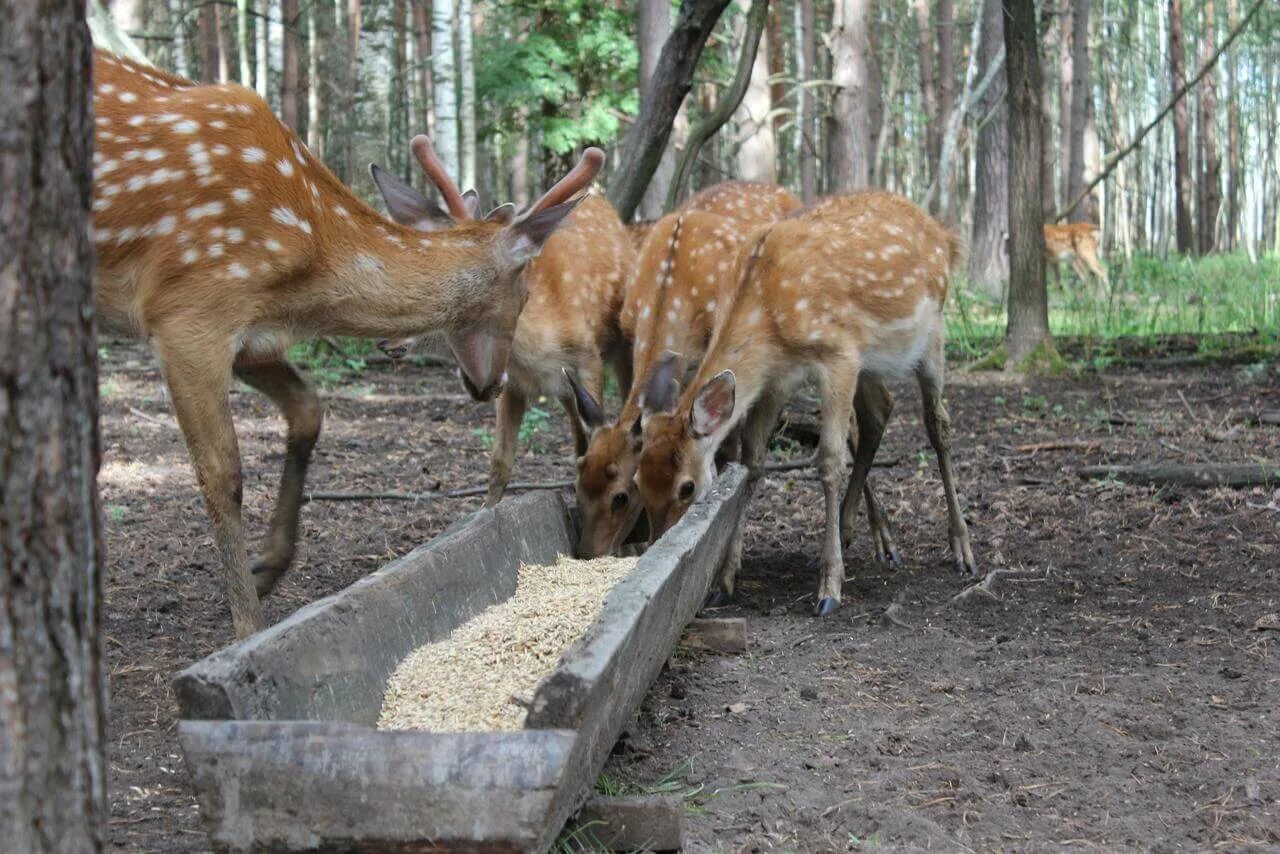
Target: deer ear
(406, 205)
(661, 390)
(525, 236)
(589, 413)
(502, 213)
(713, 406)
(471, 201)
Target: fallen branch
(987, 586)
(1192, 475)
(465, 492)
(810, 461)
(1060, 445)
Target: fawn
(222, 240)
(1078, 243)
(851, 290)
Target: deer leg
(1080, 269)
(199, 386)
(756, 430)
(506, 435)
(1091, 260)
(872, 404)
(938, 424)
(303, 414)
(838, 387)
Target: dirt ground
(1115, 694)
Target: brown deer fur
(1078, 243)
(223, 240)
(851, 290)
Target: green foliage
(535, 421)
(332, 360)
(576, 59)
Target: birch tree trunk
(243, 45)
(653, 26)
(262, 42)
(444, 76)
(1081, 95)
(1028, 329)
(466, 97)
(52, 684)
(315, 122)
(1181, 133)
(851, 129)
(988, 256)
(756, 155)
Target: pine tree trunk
(1210, 192)
(422, 30)
(1048, 182)
(1028, 328)
(207, 23)
(806, 36)
(444, 75)
(988, 255)
(352, 83)
(1081, 95)
(289, 72)
(1181, 133)
(466, 97)
(946, 64)
(756, 155)
(928, 92)
(263, 46)
(851, 129)
(52, 684)
(653, 25)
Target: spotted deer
(221, 239)
(670, 303)
(851, 290)
(1078, 243)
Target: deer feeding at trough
(670, 304)
(1077, 242)
(850, 290)
(222, 240)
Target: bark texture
(988, 256)
(1181, 133)
(52, 690)
(850, 165)
(1210, 191)
(653, 25)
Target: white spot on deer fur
(128, 97)
(201, 211)
(285, 167)
(367, 263)
(101, 204)
(286, 216)
(253, 154)
(273, 245)
(801, 304)
(235, 235)
(241, 195)
(297, 150)
(645, 312)
(106, 88)
(217, 231)
(125, 234)
(101, 235)
(341, 211)
(219, 124)
(108, 166)
(137, 120)
(186, 126)
(711, 305)
(190, 256)
(153, 154)
(237, 270)
(216, 250)
(165, 224)
(221, 150)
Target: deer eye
(619, 501)
(686, 490)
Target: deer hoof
(265, 578)
(966, 567)
(717, 599)
(826, 605)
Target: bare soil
(1113, 692)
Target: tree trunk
(652, 29)
(1066, 95)
(207, 24)
(1181, 132)
(444, 75)
(988, 255)
(928, 91)
(756, 153)
(224, 45)
(1234, 166)
(1028, 328)
(315, 121)
(352, 83)
(244, 49)
(398, 96)
(422, 30)
(946, 65)
(1081, 95)
(263, 46)
(1048, 183)
(52, 685)
(672, 81)
(466, 97)
(1210, 192)
(806, 36)
(289, 71)
(851, 130)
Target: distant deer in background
(852, 290)
(223, 240)
(1077, 242)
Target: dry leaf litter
(477, 678)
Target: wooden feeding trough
(278, 729)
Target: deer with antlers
(851, 290)
(222, 240)
(1078, 243)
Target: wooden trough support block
(632, 823)
(717, 634)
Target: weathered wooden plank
(717, 634)
(331, 659)
(632, 823)
(606, 674)
(1202, 475)
(302, 785)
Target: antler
(567, 187)
(422, 149)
